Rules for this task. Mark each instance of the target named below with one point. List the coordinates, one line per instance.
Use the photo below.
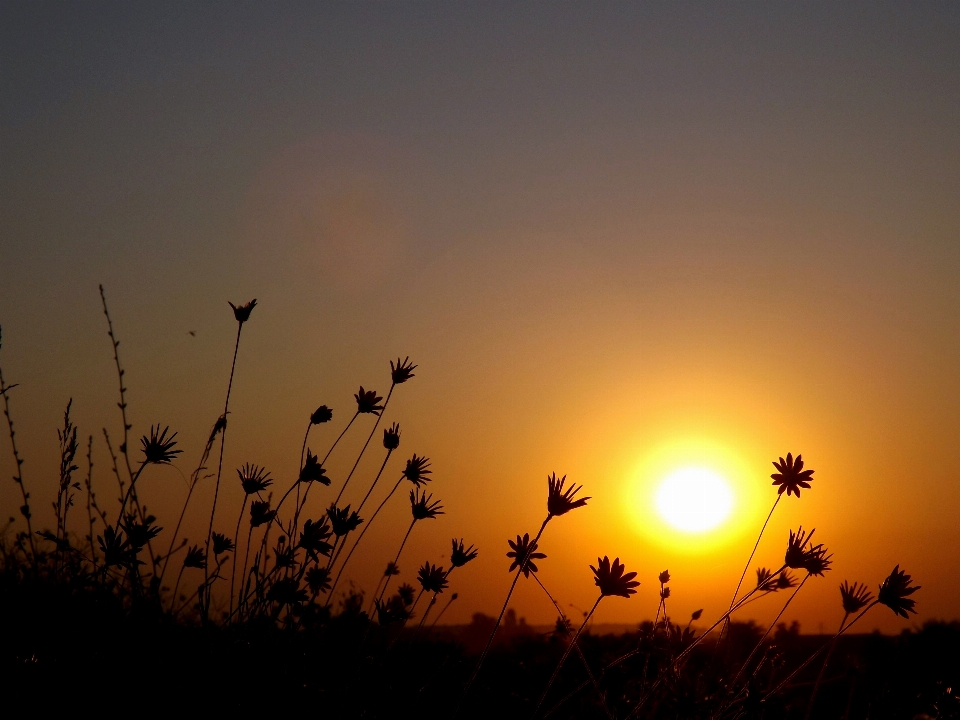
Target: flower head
(402, 371)
(392, 569)
(195, 558)
(894, 591)
(664, 592)
(391, 437)
(791, 476)
(611, 579)
(460, 557)
(664, 577)
(785, 581)
(313, 471)
(368, 401)
(254, 478)
(158, 448)
(854, 597)
(342, 520)
(318, 580)
(816, 560)
(287, 591)
(560, 502)
(221, 544)
(524, 553)
(313, 538)
(417, 470)
(423, 506)
(797, 551)
(766, 582)
(695, 615)
(321, 415)
(242, 313)
(432, 578)
(260, 513)
(406, 592)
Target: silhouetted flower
(318, 580)
(254, 478)
(611, 579)
(390, 611)
(287, 591)
(422, 507)
(816, 560)
(221, 544)
(560, 502)
(523, 554)
(854, 597)
(785, 581)
(392, 569)
(313, 471)
(321, 415)
(695, 615)
(283, 558)
(158, 448)
(140, 533)
(432, 578)
(260, 513)
(460, 557)
(766, 582)
(368, 401)
(791, 476)
(664, 577)
(242, 313)
(342, 520)
(116, 548)
(391, 437)
(218, 427)
(664, 593)
(894, 591)
(195, 558)
(417, 470)
(313, 538)
(796, 555)
(406, 592)
(402, 371)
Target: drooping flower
(368, 401)
(611, 579)
(221, 544)
(313, 471)
(321, 415)
(313, 538)
(195, 558)
(391, 437)
(342, 520)
(402, 371)
(254, 478)
(417, 470)
(260, 513)
(432, 578)
(242, 312)
(791, 476)
(854, 597)
(460, 556)
(318, 580)
(423, 506)
(894, 591)
(560, 502)
(158, 448)
(524, 553)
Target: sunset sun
(694, 500)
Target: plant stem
(296, 515)
(396, 561)
(566, 654)
(364, 449)
(236, 534)
(823, 670)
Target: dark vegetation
(96, 613)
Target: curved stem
(396, 561)
(566, 654)
(364, 449)
(236, 534)
(126, 497)
(375, 481)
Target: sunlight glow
(694, 499)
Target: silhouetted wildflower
(664, 593)
(785, 581)
(158, 448)
(524, 553)
(313, 471)
(283, 558)
(695, 615)
(402, 371)
(612, 580)
(423, 507)
(368, 401)
(816, 561)
(287, 591)
(313, 538)
(218, 427)
(562, 628)
(390, 611)
(432, 578)
(392, 569)
(195, 558)
(261, 513)
(894, 591)
(560, 502)
(318, 580)
(791, 476)
(854, 597)
(796, 555)
(254, 478)
(140, 533)
(342, 520)
(766, 582)
(406, 593)
(391, 437)
(460, 557)
(116, 548)
(221, 544)
(321, 415)
(664, 577)
(242, 313)
(417, 470)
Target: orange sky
(601, 234)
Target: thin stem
(823, 670)
(296, 515)
(364, 449)
(375, 481)
(18, 478)
(126, 497)
(566, 654)
(236, 534)
(443, 610)
(396, 561)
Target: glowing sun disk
(694, 499)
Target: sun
(694, 500)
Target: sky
(617, 239)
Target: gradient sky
(614, 237)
